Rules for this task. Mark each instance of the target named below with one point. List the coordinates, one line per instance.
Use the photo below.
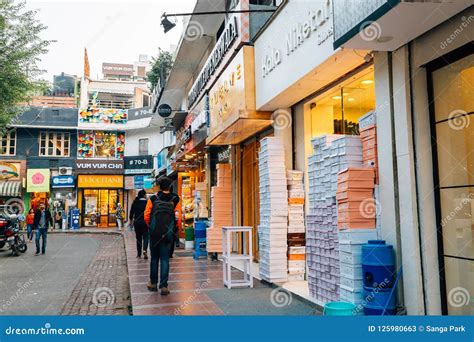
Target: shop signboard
(99, 166)
(129, 183)
(10, 170)
(138, 165)
(38, 180)
(117, 69)
(62, 181)
(286, 51)
(232, 112)
(223, 45)
(161, 159)
(100, 181)
(164, 110)
(140, 113)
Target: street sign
(164, 110)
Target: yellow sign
(232, 107)
(37, 180)
(9, 171)
(100, 181)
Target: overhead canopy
(10, 188)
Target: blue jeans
(160, 253)
(29, 231)
(41, 232)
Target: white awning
(10, 188)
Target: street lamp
(168, 25)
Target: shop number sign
(138, 164)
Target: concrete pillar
(426, 199)
(407, 186)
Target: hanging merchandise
(273, 228)
(200, 199)
(296, 227)
(332, 154)
(221, 208)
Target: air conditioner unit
(65, 171)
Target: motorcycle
(11, 234)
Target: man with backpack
(160, 217)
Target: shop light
(337, 97)
(350, 99)
(367, 82)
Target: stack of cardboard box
(200, 196)
(221, 208)
(296, 227)
(355, 198)
(332, 154)
(356, 212)
(273, 226)
(368, 133)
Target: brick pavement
(103, 288)
(197, 289)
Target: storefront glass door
(100, 207)
(453, 103)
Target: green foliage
(20, 51)
(161, 67)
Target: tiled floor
(197, 289)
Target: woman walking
(139, 224)
(30, 219)
(119, 216)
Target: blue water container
(376, 299)
(378, 264)
(200, 229)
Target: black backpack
(162, 219)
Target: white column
(283, 128)
(409, 228)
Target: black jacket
(137, 210)
(48, 217)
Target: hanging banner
(37, 180)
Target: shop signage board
(62, 181)
(164, 110)
(38, 180)
(98, 166)
(129, 183)
(117, 69)
(223, 45)
(100, 181)
(135, 165)
(140, 113)
(286, 51)
(10, 170)
(223, 156)
(233, 117)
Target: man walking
(141, 229)
(42, 221)
(160, 218)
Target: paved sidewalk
(103, 287)
(197, 289)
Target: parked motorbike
(11, 234)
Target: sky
(112, 31)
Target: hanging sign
(164, 110)
(37, 180)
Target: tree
(20, 51)
(161, 67)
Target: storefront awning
(10, 188)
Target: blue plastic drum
(378, 264)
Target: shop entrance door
(100, 208)
(250, 191)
